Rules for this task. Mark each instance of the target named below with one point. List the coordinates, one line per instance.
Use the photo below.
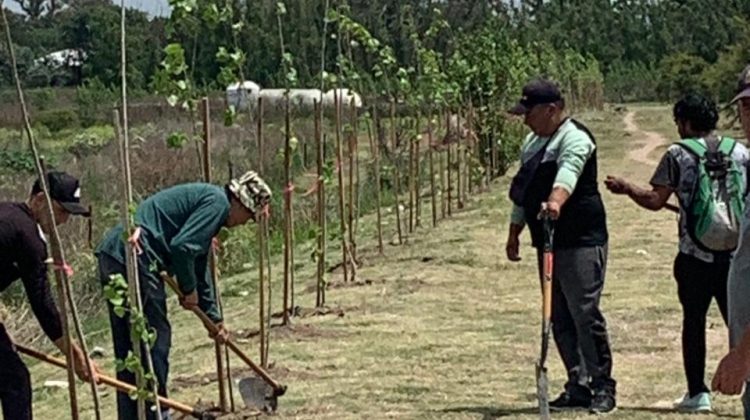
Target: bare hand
(731, 374)
(222, 335)
(190, 301)
(550, 209)
(79, 361)
(616, 185)
(512, 249)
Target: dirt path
(649, 141)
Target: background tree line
(646, 49)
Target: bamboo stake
(320, 289)
(340, 170)
(432, 169)
(441, 162)
(396, 171)
(459, 153)
(449, 165)
(352, 171)
(212, 255)
(375, 150)
(418, 174)
(261, 242)
(411, 142)
(287, 211)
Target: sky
(153, 7)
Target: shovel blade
(257, 394)
(542, 391)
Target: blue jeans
(155, 311)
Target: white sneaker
(700, 403)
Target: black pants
(578, 326)
(155, 311)
(15, 382)
(698, 282)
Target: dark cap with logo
(66, 190)
(537, 92)
(743, 85)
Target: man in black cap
(558, 179)
(24, 255)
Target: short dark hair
(700, 111)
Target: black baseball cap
(66, 190)
(743, 85)
(536, 92)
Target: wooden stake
(459, 154)
(352, 174)
(449, 164)
(418, 173)
(320, 296)
(287, 212)
(212, 256)
(411, 142)
(432, 169)
(261, 237)
(375, 150)
(396, 171)
(340, 170)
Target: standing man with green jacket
(175, 229)
(558, 178)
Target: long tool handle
(213, 329)
(119, 385)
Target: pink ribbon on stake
(64, 268)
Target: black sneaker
(603, 403)
(568, 401)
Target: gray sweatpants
(578, 326)
(738, 294)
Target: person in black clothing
(24, 256)
(558, 178)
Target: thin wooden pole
(320, 289)
(261, 219)
(449, 165)
(375, 150)
(340, 170)
(396, 171)
(287, 211)
(418, 173)
(411, 142)
(432, 169)
(352, 177)
(212, 256)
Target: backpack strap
(694, 147)
(726, 145)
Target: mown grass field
(447, 327)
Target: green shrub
(58, 120)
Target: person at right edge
(558, 178)
(734, 369)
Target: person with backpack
(707, 173)
(175, 230)
(558, 180)
(734, 369)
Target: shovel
(548, 256)
(259, 392)
(121, 386)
